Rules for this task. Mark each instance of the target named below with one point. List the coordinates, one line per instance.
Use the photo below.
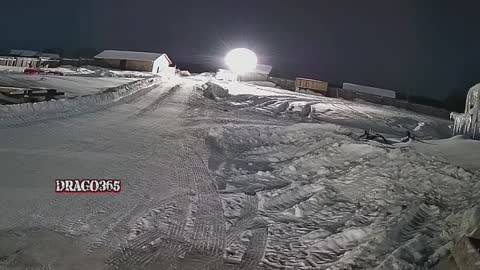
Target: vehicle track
(255, 250)
(155, 104)
(196, 228)
(208, 231)
(247, 215)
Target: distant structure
(225, 75)
(158, 63)
(369, 90)
(27, 58)
(24, 53)
(261, 73)
(468, 123)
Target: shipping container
(312, 85)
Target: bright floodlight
(241, 60)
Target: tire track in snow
(208, 231)
(247, 215)
(255, 250)
(196, 226)
(157, 103)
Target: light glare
(241, 61)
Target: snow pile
(457, 150)
(468, 122)
(263, 83)
(214, 91)
(27, 112)
(87, 71)
(94, 71)
(329, 201)
(9, 69)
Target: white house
(136, 61)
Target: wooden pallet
(9, 95)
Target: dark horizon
(427, 48)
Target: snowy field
(356, 114)
(252, 178)
(76, 82)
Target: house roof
(25, 53)
(28, 53)
(49, 55)
(129, 55)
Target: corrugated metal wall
(19, 62)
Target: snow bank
(9, 69)
(94, 71)
(214, 91)
(26, 112)
(263, 83)
(457, 150)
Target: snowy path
(142, 142)
(213, 185)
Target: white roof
(49, 55)
(263, 69)
(26, 53)
(129, 55)
(369, 90)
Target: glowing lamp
(241, 61)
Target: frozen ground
(77, 81)
(71, 85)
(361, 115)
(267, 179)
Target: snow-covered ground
(261, 178)
(76, 82)
(361, 115)
(456, 150)
(71, 85)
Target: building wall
(139, 66)
(130, 65)
(253, 76)
(19, 61)
(78, 62)
(161, 65)
(108, 63)
(283, 83)
(7, 61)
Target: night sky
(426, 47)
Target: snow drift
(27, 112)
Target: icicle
(467, 123)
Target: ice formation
(467, 123)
